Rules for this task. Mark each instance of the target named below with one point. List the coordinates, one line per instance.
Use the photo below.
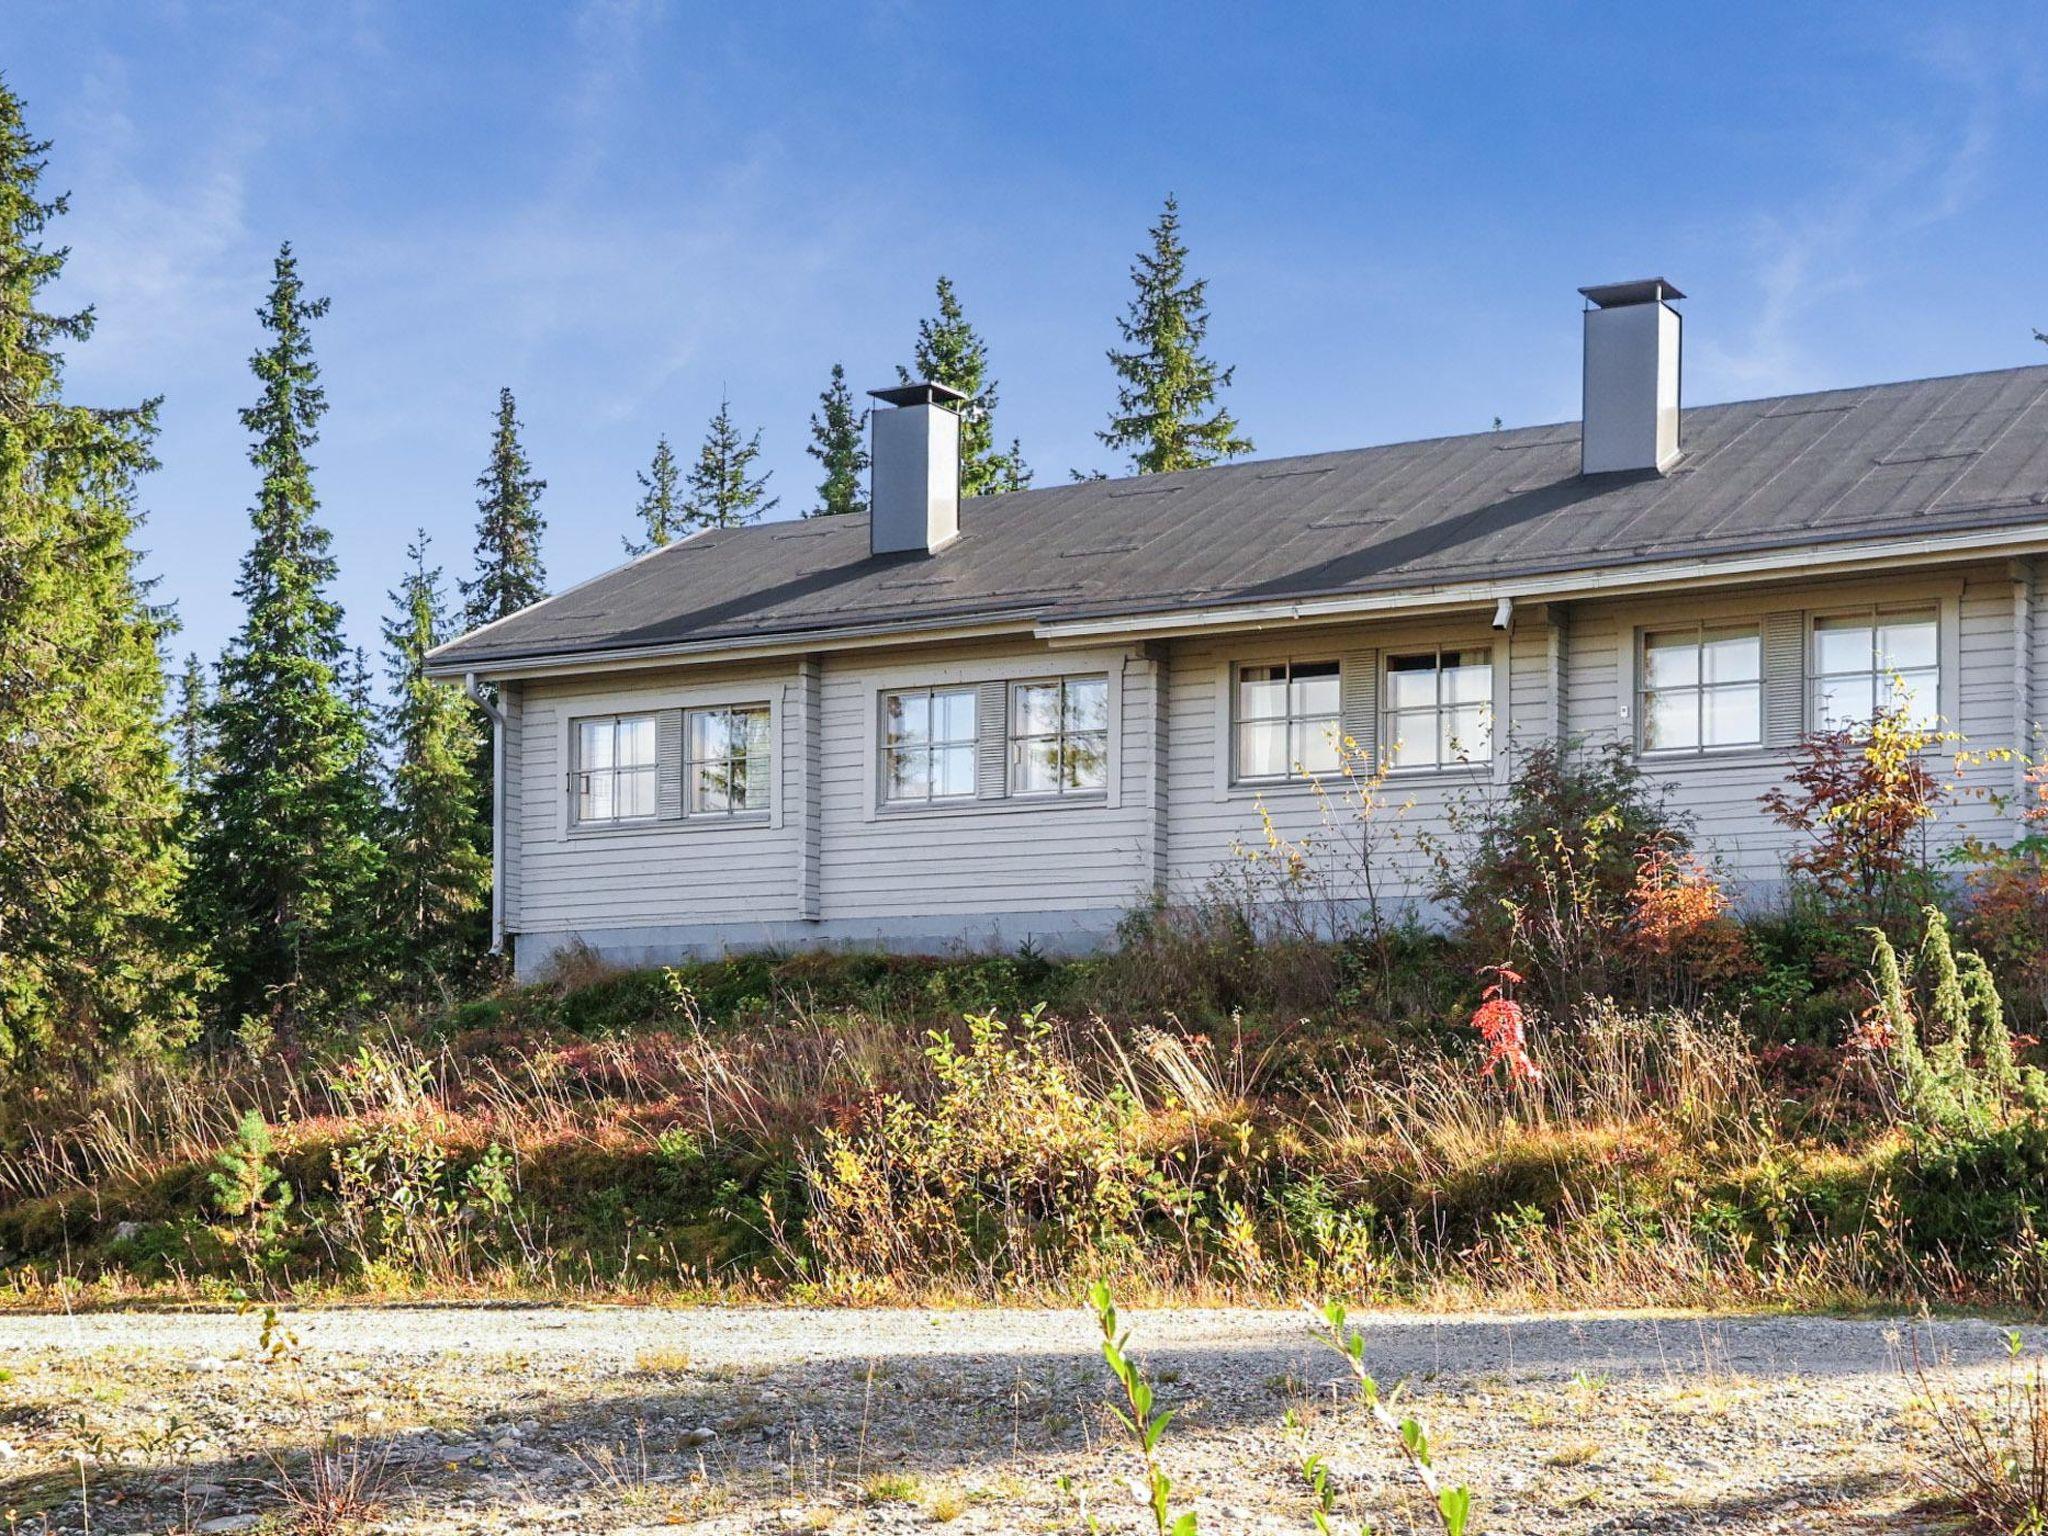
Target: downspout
(490, 707)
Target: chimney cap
(924, 392)
(1643, 290)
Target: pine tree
(191, 742)
(437, 875)
(509, 574)
(723, 492)
(660, 510)
(839, 443)
(285, 857)
(1163, 407)
(950, 352)
(90, 948)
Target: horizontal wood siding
(1593, 662)
(511, 871)
(666, 872)
(983, 856)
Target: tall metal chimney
(1629, 418)
(914, 475)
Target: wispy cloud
(1909, 173)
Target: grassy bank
(877, 1129)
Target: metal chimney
(1631, 381)
(914, 478)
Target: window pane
(1412, 740)
(906, 777)
(1734, 716)
(1917, 693)
(636, 792)
(750, 730)
(1842, 703)
(707, 734)
(953, 715)
(1411, 682)
(953, 771)
(1261, 692)
(1261, 749)
(1671, 721)
(1087, 704)
(711, 787)
(1314, 745)
(1035, 766)
(1038, 709)
(1468, 677)
(1841, 645)
(595, 750)
(1731, 656)
(1314, 688)
(753, 784)
(597, 798)
(1671, 660)
(1467, 737)
(636, 743)
(908, 718)
(1087, 761)
(1905, 642)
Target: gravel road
(716, 1420)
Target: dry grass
(1986, 1451)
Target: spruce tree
(1166, 412)
(724, 493)
(509, 574)
(950, 352)
(90, 948)
(437, 874)
(285, 856)
(661, 509)
(839, 444)
(191, 742)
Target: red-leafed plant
(1864, 799)
(1504, 1027)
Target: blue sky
(622, 207)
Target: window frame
(1238, 720)
(931, 747)
(579, 774)
(1386, 713)
(1699, 690)
(692, 811)
(1012, 737)
(1935, 612)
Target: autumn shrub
(1012, 1169)
(1549, 875)
(1862, 802)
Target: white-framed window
(1059, 736)
(726, 760)
(928, 745)
(1287, 720)
(614, 774)
(1702, 687)
(1875, 658)
(1437, 708)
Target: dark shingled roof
(1889, 460)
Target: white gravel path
(729, 1420)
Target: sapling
(1452, 1503)
(1146, 1426)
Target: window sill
(1007, 805)
(1336, 784)
(1708, 762)
(677, 824)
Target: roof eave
(706, 652)
(1773, 565)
